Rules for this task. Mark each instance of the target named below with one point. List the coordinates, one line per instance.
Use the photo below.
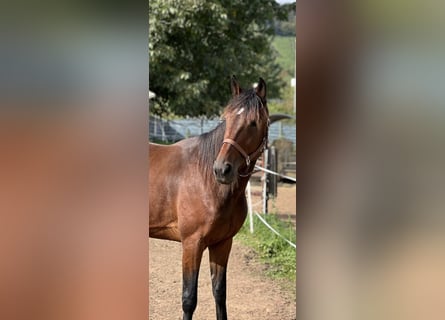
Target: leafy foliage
(285, 105)
(195, 45)
(287, 27)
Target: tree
(196, 45)
(287, 27)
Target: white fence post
(265, 162)
(249, 205)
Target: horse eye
(253, 124)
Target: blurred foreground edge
(370, 159)
(73, 162)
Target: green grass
(277, 254)
(285, 47)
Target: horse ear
(234, 86)
(261, 89)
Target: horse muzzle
(224, 172)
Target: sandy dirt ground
(250, 294)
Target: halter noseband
(248, 157)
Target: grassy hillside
(285, 47)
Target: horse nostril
(227, 169)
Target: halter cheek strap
(248, 157)
(254, 155)
(239, 148)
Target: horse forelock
(247, 104)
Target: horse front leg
(219, 256)
(191, 260)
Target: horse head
(246, 131)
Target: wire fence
(174, 130)
(276, 173)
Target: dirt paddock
(250, 294)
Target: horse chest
(227, 221)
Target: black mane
(209, 145)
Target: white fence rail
(251, 212)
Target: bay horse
(197, 190)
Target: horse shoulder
(163, 190)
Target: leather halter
(248, 157)
(254, 155)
